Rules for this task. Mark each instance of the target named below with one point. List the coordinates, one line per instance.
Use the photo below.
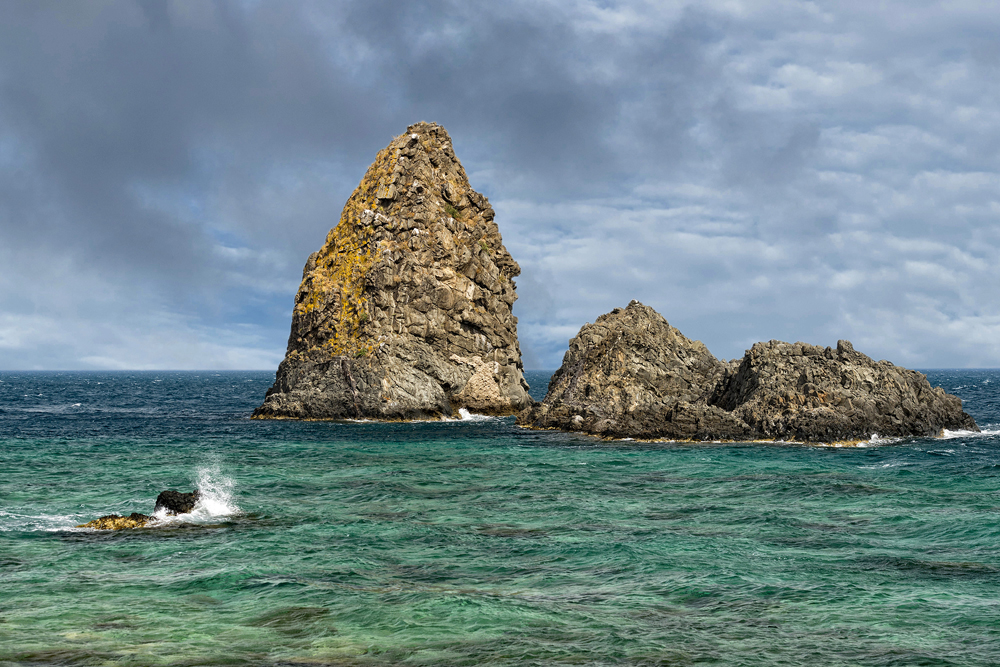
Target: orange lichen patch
(342, 265)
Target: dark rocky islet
(632, 375)
(171, 502)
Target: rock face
(805, 392)
(175, 502)
(630, 374)
(405, 312)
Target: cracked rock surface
(632, 375)
(405, 312)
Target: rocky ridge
(405, 312)
(632, 375)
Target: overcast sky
(753, 170)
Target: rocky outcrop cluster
(168, 502)
(632, 375)
(405, 312)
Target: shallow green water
(475, 542)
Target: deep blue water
(478, 543)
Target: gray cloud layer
(753, 170)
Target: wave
(216, 501)
(948, 435)
(466, 416)
(14, 522)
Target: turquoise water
(477, 543)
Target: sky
(753, 170)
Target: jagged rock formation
(630, 374)
(405, 312)
(806, 392)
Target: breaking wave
(217, 500)
(466, 416)
(948, 435)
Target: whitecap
(472, 416)
(215, 502)
(948, 435)
(11, 521)
(892, 464)
(877, 439)
(466, 416)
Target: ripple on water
(475, 542)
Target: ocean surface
(474, 542)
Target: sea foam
(466, 416)
(948, 435)
(217, 500)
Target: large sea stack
(405, 312)
(631, 374)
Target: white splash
(466, 416)
(215, 502)
(948, 435)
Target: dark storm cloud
(114, 107)
(751, 169)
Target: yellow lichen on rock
(117, 522)
(414, 272)
(336, 284)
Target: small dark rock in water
(632, 375)
(118, 522)
(176, 502)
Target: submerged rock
(405, 312)
(175, 502)
(118, 522)
(630, 374)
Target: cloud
(753, 170)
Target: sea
(474, 542)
